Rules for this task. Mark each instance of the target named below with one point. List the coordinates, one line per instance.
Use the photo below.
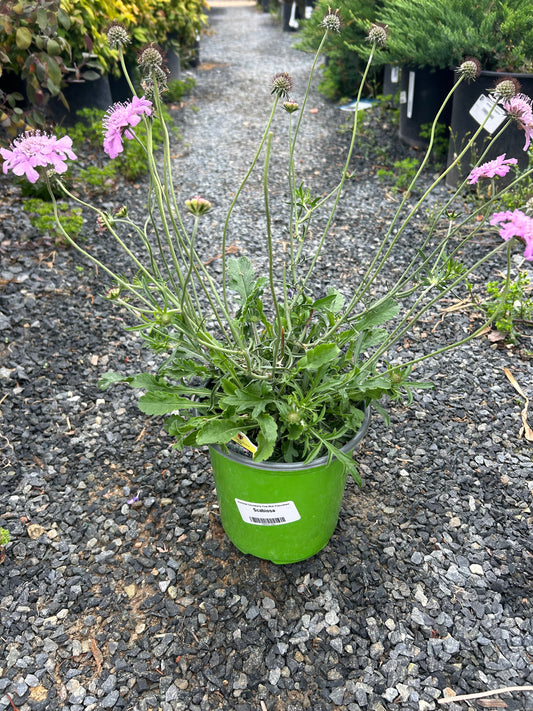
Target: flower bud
(377, 35)
(122, 211)
(117, 34)
(113, 292)
(291, 106)
(198, 206)
(332, 21)
(293, 417)
(281, 84)
(470, 68)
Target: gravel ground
(110, 603)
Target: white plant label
(480, 111)
(394, 75)
(403, 97)
(268, 514)
(410, 94)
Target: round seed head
(378, 33)
(281, 84)
(332, 21)
(506, 88)
(117, 35)
(150, 57)
(470, 68)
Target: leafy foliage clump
(343, 69)
(42, 216)
(432, 33)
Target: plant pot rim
(294, 467)
(502, 74)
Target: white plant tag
(403, 97)
(394, 75)
(410, 94)
(480, 111)
(268, 514)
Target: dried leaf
(97, 655)
(495, 336)
(525, 430)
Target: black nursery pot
(391, 82)
(471, 100)
(422, 91)
(94, 94)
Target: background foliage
(45, 44)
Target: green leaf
(318, 356)
(376, 315)
(42, 18)
(333, 302)
(53, 48)
(217, 432)
(90, 75)
(161, 402)
(252, 399)
(109, 378)
(23, 38)
(242, 278)
(266, 439)
(64, 18)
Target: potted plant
(275, 371)
(34, 60)
(429, 38)
(343, 68)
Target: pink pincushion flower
(515, 224)
(119, 119)
(499, 166)
(519, 108)
(35, 149)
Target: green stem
(338, 189)
(278, 329)
(234, 202)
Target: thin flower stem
(115, 277)
(112, 231)
(411, 319)
(308, 89)
(338, 189)
(373, 271)
(278, 329)
(125, 70)
(234, 202)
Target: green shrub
(403, 173)
(178, 88)
(41, 214)
(4, 536)
(31, 52)
(441, 34)
(343, 69)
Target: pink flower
(519, 108)
(498, 166)
(515, 224)
(118, 120)
(35, 149)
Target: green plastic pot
(280, 512)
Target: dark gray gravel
(105, 604)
